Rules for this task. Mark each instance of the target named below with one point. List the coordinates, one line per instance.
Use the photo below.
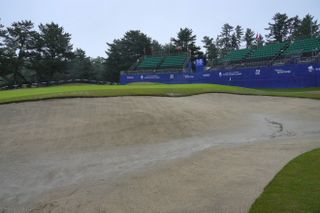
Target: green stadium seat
(268, 51)
(301, 46)
(174, 61)
(162, 62)
(237, 55)
(150, 62)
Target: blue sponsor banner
(287, 76)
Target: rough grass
(87, 90)
(296, 188)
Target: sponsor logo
(310, 68)
(206, 75)
(280, 71)
(171, 76)
(199, 62)
(152, 77)
(130, 77)
(141, 77)
(235, 73)
(257, 72)
(188, 76)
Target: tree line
(46, 53)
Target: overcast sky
(92, 23)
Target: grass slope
(296, 188)
(87, 90)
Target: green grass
(87, 90)
(296, 188)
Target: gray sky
(92, 23)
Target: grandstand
(272, 53)
(289, 64)
(303, 46)
(268, 53)
(160, 63)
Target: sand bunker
(204, 153)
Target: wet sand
(204, 153)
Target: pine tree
(234, 42)
(80, 65)
(4, 68)
(186, 41)
(239, 34)
(3, 34)
(225, 39)
(308, 27)
(294, 25)
(54, 51)
(122, 53)
(249, 38)
(156, 47)
(279, 29)
(211, 50)
(20, 43)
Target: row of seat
(237, 55)
(150, 62)
(268, 51)
(274, 49)
(162, 62)
(303, 46)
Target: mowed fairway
(202, 153)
